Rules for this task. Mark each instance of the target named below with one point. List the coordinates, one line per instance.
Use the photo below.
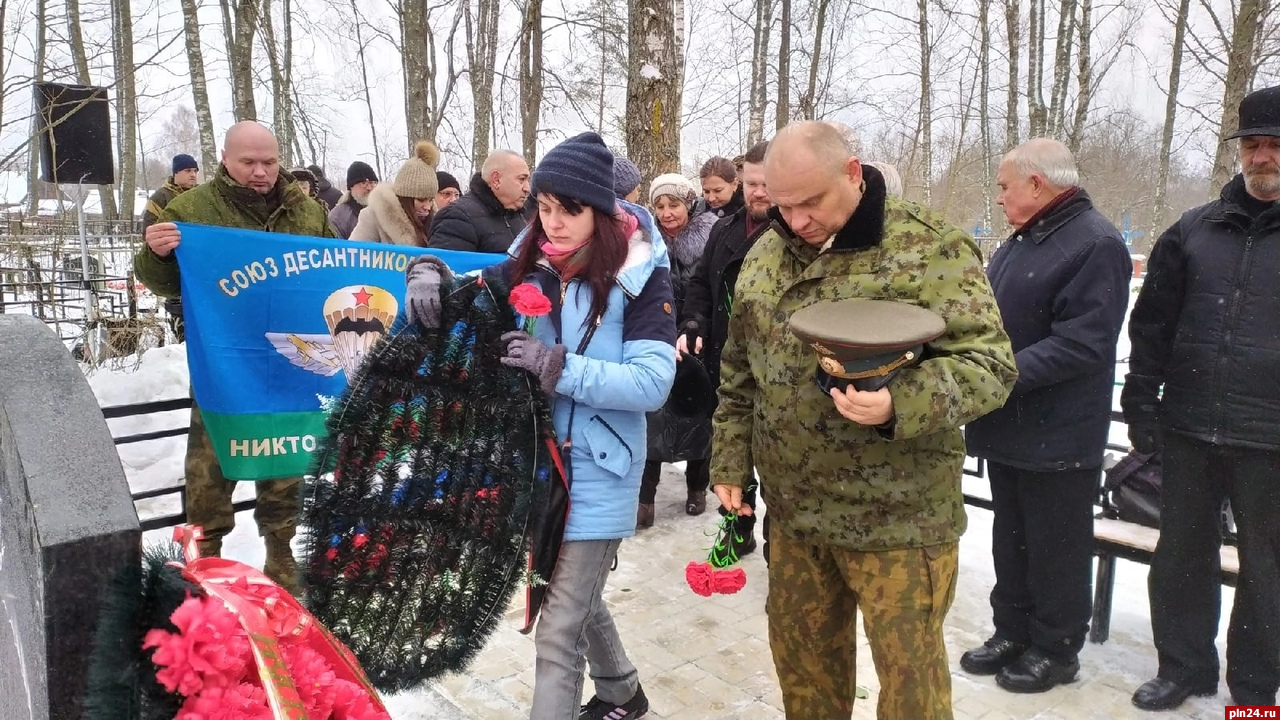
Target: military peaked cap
(864, 342)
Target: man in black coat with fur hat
(1204, 389)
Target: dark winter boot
(281, 565)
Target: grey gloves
(422, 281)
(529, 353)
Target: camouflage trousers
(815, 593)
(209, 496)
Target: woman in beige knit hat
(400, 213)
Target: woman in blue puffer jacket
(606, 356)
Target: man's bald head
(507, 175)
(814, 178)
(251, 155)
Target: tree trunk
(106, 193)
(1240, 72)
(1061, 67)
(784, 68)
(809, 102)
(1170, 115)
(199, 86)
(416, 70)
(364, 84)
(926, 100)
(758, 98)
(37, 71)
(240, 52)
(482, 55)
(126, 106)
(984, 109)
(531, 79)
(1037, 113)
(1084, 78)
(1013, 32)
(653, 88)
(281, 91)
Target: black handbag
(1132, 489)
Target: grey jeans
(575, 628)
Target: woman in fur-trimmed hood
(400, 213)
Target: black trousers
(1042, 545)
(1184, 584)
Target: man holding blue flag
(248, 192)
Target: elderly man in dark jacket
(1062, 283)
(1206, 330)
(492, 213)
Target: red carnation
(529, 301)
(707, 581)
(698, 575)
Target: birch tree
(33, 144)
(1061, 67)
(126, 105)
(240, 24)
(1037, 112)
(783, 115)
(280, 61)
(482, 60)
(1170, 113)
(199, 85)
(984, 111)
(415, 66)
(80, 58)
(1013, 32)
(1084, 78)
(653, 88)
(1240, 72)
(758, 98)
(808, 101)
(926, 98)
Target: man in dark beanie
(185, 174)
(1203, 390)
(361, 180)
(325, 189)
(449, 190)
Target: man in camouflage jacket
(863, 489)
(248, 192)
(185, 175)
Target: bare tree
(126, 105)
(416, 66)
(1013, 32)
(1061, 67)
(926, 98)
(1240, 72)
(280, 60)
(364, 84)
(106, 193)
(37, 71)
(784, 67)
(530, 78)
(1170, 113)
(482, 60)
(808, 101)
(240, 24)
(758, 99)
(199, 86)
(653, 87)
(1037, 113)
(1084, 77)
(984, 110)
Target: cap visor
(1271, 130)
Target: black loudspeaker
(75, 134)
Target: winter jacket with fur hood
(384, 220)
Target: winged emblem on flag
(358, 316)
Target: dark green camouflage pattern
(815, 593)
(826, 478)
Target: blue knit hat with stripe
(580, 168)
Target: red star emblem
(363, 297)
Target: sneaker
(597, 709)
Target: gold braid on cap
(835, 368)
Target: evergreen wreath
(426, 491)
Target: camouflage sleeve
(970, 370)
(159, 274)
(731, 459)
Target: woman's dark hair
(418, 225)
(719, 167)
(597, 264)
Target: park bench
(155, 521)
(1114, 540)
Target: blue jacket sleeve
(1087, 316)
(642, 381)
